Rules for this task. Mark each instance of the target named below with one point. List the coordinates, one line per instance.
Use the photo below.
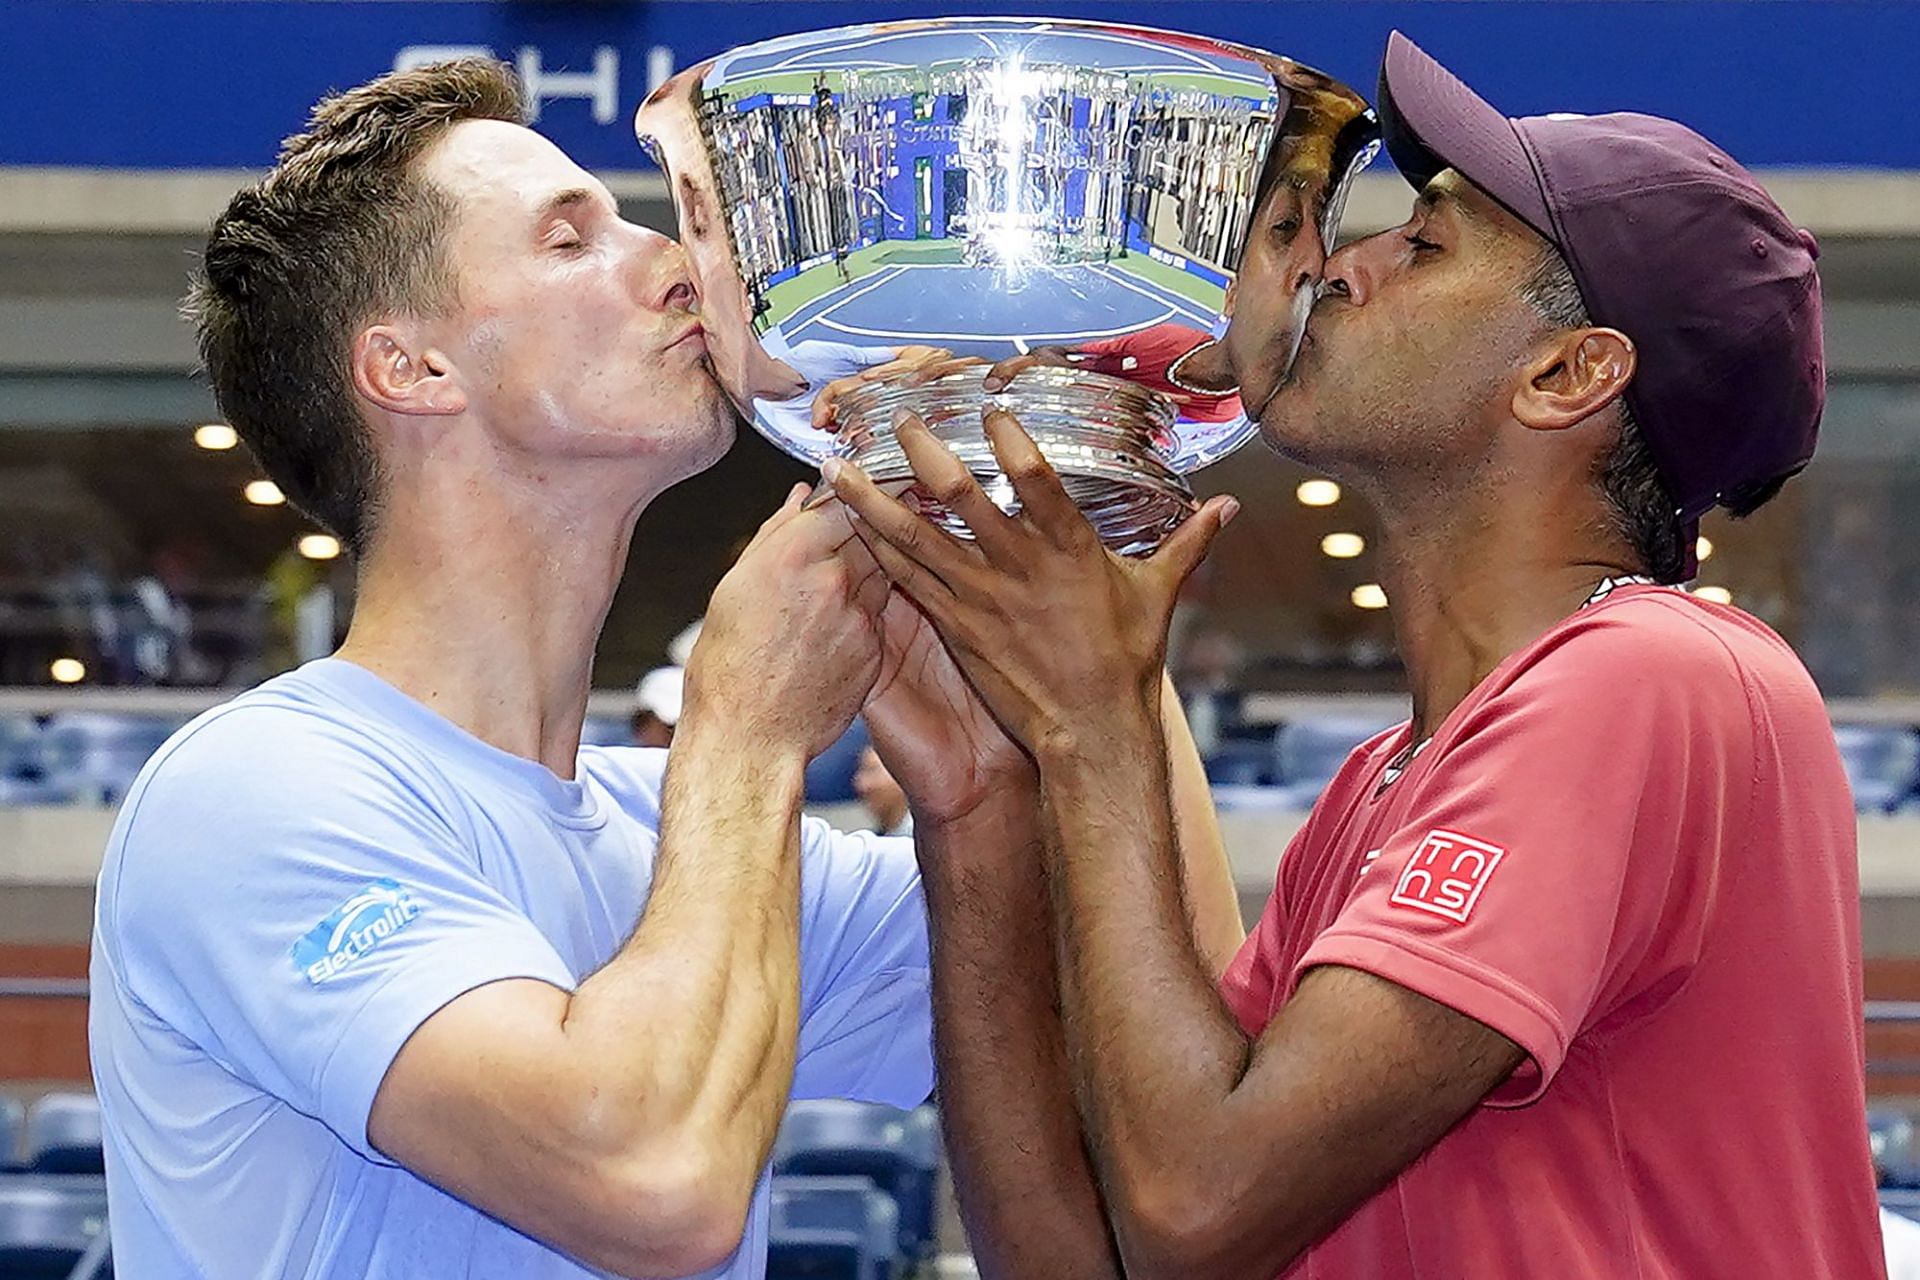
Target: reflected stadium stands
(91, 758)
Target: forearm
(690, 1030)
(1152, 1047)
(1020, 1165)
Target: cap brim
(1431, 121)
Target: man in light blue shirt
(306, 874)
(391, 977)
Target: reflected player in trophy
(1185, 364)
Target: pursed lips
(696, 332)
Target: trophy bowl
(856, 202)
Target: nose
(1307, 257)
(669, 282)
(1353, 268)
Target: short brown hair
(340, 231)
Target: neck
(485, 592)
(1471, 583)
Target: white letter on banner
(659, 67)
(420, 55)
(601, 86)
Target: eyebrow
(1438, 199)
(566, 200)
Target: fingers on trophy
(1034, 215)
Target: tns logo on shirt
(375, 913)
(1445, 875)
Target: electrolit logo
(378, 911)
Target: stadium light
(319, 546)
(264, 493)
(1370, 595)
(1703, 549)
(216, 436)
(1719, 595)
(1343, 546)
(1317, 493)
(68, 670)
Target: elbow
(1172, 1227)
(672, 1212)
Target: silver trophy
(856, 202)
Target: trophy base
(1106, 437)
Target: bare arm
(1217, 1157)
(1020, 1166)
(1020, 1162)
(1206, 874)
(1220, 1156)
(626, 1122)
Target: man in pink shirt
(1561, 978)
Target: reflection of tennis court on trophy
(889, 186)
(976, 313)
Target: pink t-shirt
(1630, 851)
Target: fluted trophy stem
(856, 203)
(1107, 437)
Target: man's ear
(402, 375)
(1577, 374)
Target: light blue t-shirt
(301, 877)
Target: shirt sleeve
(1559, 854)
(297, 904)
(866, 1029)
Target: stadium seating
(13, 1119)
(1883, 764)
(92, 758)
(841, 1228)
(1309, 751)
(63, 1134)
(1241, 762)
(899, 1151)
(48, 1225)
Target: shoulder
(267, 745)
(1656, 647)
(273, 774)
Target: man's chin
(1286, 422)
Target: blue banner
(163, 84)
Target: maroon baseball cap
(1673, 244)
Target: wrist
(1095, 739)
(760, 765)
(1004, 825)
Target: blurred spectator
(886, 803)
(680, 648)
(656, 706)
(1208, 679)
